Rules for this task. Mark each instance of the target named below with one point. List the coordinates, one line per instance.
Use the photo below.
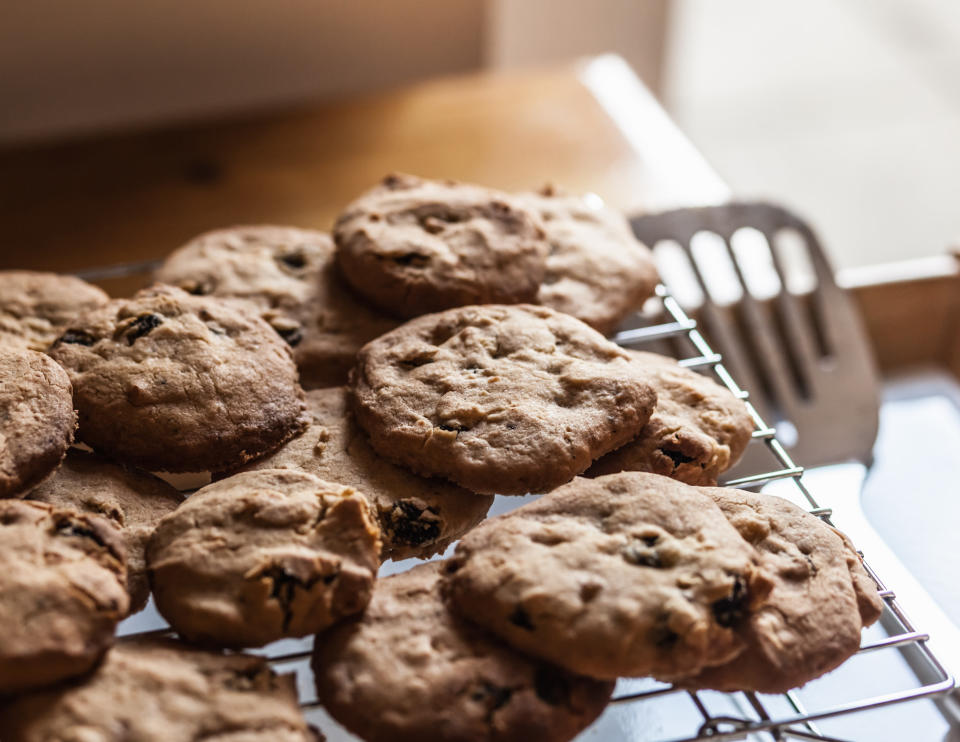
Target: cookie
(418, 517)
(698, 430)
(263, 555)
(629, 574)
(408, 670)
(822, 597)
(132, 500)
(413, 246)
(597, 270)
(37, 419)
(292, 277)
(160, 689)
(62, 592)
(35, 306)
(499, 399)
(172, 382)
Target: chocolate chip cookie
(62, 592)
(132, 500)
(35, 306)
(499, 399)
(163, 690)
(698, 430)
(263, 555)
(821, 598)
(413, 246)
(172, 382)
(597, 270)
(408, 670)
(418, 517)
(628, 574)
(292, 277)
(37, 419)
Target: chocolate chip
(409, 527)
(551, 686)
(284, 588)
(294, 260)
(412, 259)
(76, 337)
(293, 335)
(141, 326)
(729, 610)
(521, 618)
(677, 457)
(68, 527)
(642, 556)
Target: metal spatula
(766, 299)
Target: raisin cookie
(34, 307)
(62, 592)
(132, 500)
(629, 574)
(418, 517)
(821, 599)
(173, 382)
(263, 555)
(160, 689)
(499, 399)
(292, 276)
(597, 270)
(698, 430)
(408, 670)
(413, 246)
(37, 419)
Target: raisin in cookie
(34, 307)
(499, 399)
(172, 382)
(37, 419)
(412, 246)
(698, 430)
(263, 555)
(132, 500)
(418, 517)
(62, 592)
(292, 277)
(160, 689)
(628, 574)
(408, 670)
(597, 270)
(821, 599)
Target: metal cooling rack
(714, 717)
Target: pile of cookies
(361, 397)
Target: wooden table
(135, 196)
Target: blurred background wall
(849, 112)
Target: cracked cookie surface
(132, 500)
(499, 399)
(698, 429)
(263, 555)
(821, 598)
(62, 592)
(160, 689)
(37, 419)
(408, 670)
(413, 246)
(172, 382)
(625, 575)
(35, 306)
(597, 270)
(418, 516)
(292, 277)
